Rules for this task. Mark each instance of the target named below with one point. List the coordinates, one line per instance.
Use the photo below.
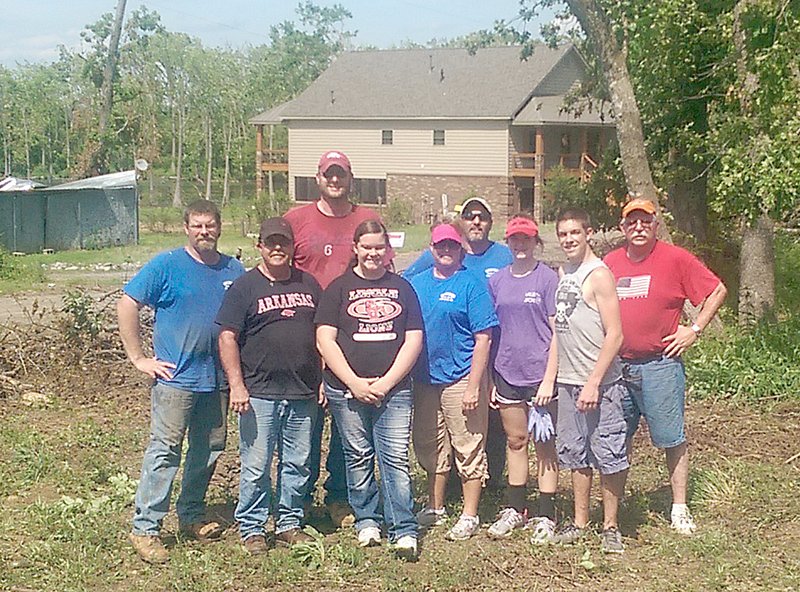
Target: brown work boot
(341, 514)
(149, 547)
(204, 532)
(256, 544)
(291, 537)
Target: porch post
(271, 159)
(538, 179)
(584, 152)
(259, 160)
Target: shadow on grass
(637, 507)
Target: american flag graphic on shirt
(633, 287)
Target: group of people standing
(475, 350)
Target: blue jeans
(382, 433)
(335, 485)
(286, 424)
(656, 389)
(172, 413)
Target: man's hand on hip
(679, 342)
(155, 368)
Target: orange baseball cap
(639, 203)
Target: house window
(438, 137)
(369, 191)
(387, 137)
(366, 191)
(305, 188)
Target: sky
(33, 29)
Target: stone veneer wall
(424, 193)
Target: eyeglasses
(645, 222)
(480, 214)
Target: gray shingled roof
(550, 110)
(421, 83)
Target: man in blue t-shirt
(185, 288)
(484, 257)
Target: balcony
(276, 161)
(526, 164)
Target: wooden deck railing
(524, 164)
(276, 160)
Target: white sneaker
(683, 523)
(369, 536)
(428, 517)
(543, 529)
(507, 520)
(406, 547)
(464, 528)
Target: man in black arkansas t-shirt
(268, 351)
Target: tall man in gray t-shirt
(591, 425)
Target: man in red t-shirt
(653, 281)
(323, 238)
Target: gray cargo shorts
(592, 439)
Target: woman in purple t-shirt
(524, 297)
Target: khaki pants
(443, 433)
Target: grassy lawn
(74, 423)
(68, 471)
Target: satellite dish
(141, 165)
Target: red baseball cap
(445, 232)
(524, 226)
(334, 157)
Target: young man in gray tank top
(591, 424)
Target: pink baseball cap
(524, 226)
(334, 157)
(445, 232)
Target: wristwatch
(697, 329)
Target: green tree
(756, 131)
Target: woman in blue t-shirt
(450, 406)
(369, 331)
(524, 298)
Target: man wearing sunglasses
(653, 281)
(482, 255)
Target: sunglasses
(481, 215)
(645, 222)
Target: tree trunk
(177, 200)
(757, 272)
(27, 147)
(174, 148)
(99, 159)
(757, 256)
(209, 157)
(6, 156)
(226, 179)
(67, 121)
(635, 165)
(626, 110)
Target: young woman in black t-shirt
(369, 331)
